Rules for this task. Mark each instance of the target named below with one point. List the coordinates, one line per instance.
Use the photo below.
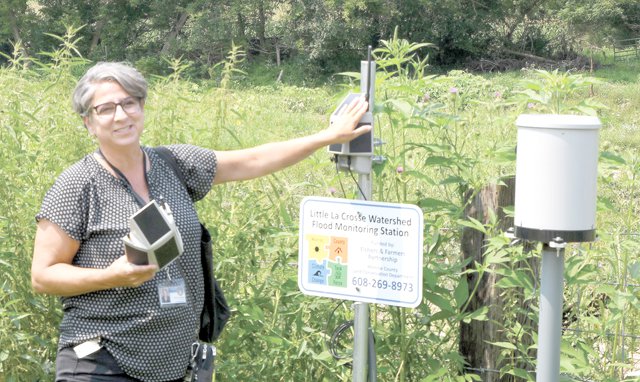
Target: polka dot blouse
(149, 342)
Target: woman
(115, 323)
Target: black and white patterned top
(149, 342)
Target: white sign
(361, 251)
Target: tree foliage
(325, 33)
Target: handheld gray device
(154, 237)
(363, 145)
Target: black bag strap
(170, 159)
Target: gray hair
(131, 80)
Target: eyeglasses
(130, 105)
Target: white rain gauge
(555, 203)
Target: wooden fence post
(482, 357)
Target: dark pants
(97, 367)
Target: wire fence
(628, 340)
(629, 352)
(626, 49)
(625, 360)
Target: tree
(112, 28)
(15, 25)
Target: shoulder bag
(215, 312)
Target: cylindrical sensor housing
(556, 177)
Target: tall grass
(444, 135)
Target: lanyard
(136, 196)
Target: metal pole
(360, 341)
(550, 324)
(361, 320)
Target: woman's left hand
(345, 126)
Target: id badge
(172, 293)
(88, 347)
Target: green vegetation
(445, 135)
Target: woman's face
(115, 118)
